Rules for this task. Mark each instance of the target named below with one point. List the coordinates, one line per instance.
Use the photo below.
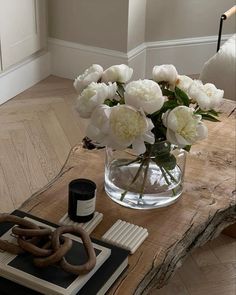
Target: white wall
(123, 24)
(168, 19)
(136, 23)
(101, 23)
(140, 33)
(24, 59)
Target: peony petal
(167, 73)
(145, 94)
(155, 106)
(202, 131)
(207, 96)
(170, 136)
(184, 82)
(92, 74)
(149, 137)
(176, 139)
(117, 73)
(150, 124)
(139, 147)
(95, 134)
(181, 140)
(171, 121)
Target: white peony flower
(117, 73)
(145, 94)
(94, 95)
(184, 82)
(207, 96)
(120, 127)
(183, 126)
(129, 126)
(98, 128)
(166, 73)
(92, 74)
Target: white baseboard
(136, 59)
(69, 59)
(24, 75)
(188, 55)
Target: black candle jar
(82, 200)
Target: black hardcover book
(18, 275)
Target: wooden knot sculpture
(48, 247)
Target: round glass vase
(148, 181)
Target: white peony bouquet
(140, 113)
(153, 117)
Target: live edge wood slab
(207, 206)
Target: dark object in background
(89, 144)
(223, 17)
(82, 200)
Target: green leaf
(210, 112)
(209, 117)
(168, 161)
(168, 93)
(168, 105)
(182, 96)
(110, 102)
(213, 112)
(187, 148)
(161, 149)
(121, 89)
(163, 156)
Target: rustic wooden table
(207, 206)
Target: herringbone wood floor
(38, 129)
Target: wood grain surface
(207, 206)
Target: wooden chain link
(48, 247)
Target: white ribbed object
(125, 235)
(87, 226)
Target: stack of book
(18, 275)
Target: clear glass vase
(152, 180)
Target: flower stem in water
(171, 176)
(144, 178)
(134, 179)
(163, 171)
(130, 162)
